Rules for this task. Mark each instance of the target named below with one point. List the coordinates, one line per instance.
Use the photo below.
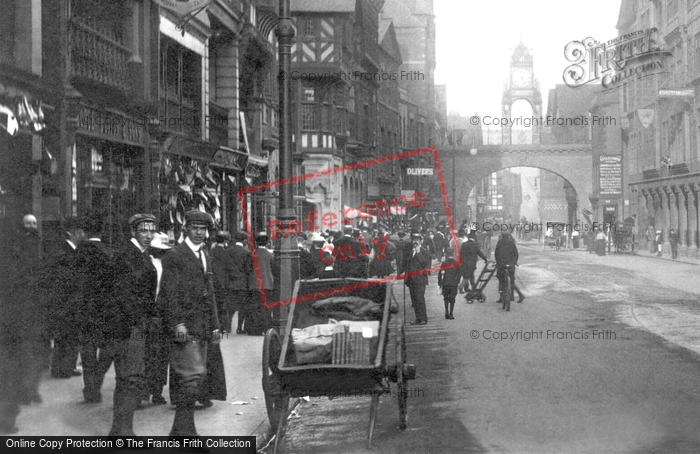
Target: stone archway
(572, 162)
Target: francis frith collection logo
(611, 62)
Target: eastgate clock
(521, 78)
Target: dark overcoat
(187, 294)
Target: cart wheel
(401, 379)
(372, 418)
(482, 299)
(276, 401)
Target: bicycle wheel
(507, 292)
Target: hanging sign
(646, 116)
(183, 7)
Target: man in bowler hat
(417, 265)
(190, 317)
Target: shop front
(109, 171)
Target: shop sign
(230, 159)
(419, 171)
(610, 175)
(111, 125)
(183, 7)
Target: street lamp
(289, 252)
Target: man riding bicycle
(506, 255)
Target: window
(309, 29)
(308, 108)
(180, 88)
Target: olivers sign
(613, 61)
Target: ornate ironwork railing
(97, 57)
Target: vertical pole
(289, 253)
(455, 218)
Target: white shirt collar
(73, 246)
(238, 243)
(136, 243)
(95, 239)
(195, 248)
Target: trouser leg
(130, 381)
(187, 371)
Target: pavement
(63, 411)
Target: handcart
(346, 374)
(485, 276)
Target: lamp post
(289, 252)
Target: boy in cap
(190, 318)
(136, 298)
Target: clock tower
(521, 85)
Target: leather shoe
(452, 317)
(419, 323)
(157, 399)
(206, 403)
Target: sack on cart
(313, 344)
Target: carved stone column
(665, 196)
(692, 197)
(682, 219)
(671, 192)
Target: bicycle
(486, 245)
(507, 286)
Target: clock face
(521, 78)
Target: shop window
(110, 184)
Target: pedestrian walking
(135, 305)
(659, 242)
(448, 280)
(601, 241)
(506, 253)
(417, 268)
(262, 280)
(98, 310)
(156, 343)
(24, 338)
(189, 317)
(60, 282)
(470, 253)
(650, 235)
(239, 266)
(673, 240)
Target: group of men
(113, 307)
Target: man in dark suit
(417, 265)
(97, 309)
(470, 253)
(135, 297)
(350, 258)
(24, 343)
(239, 265)
(190, 317)
(60, 283)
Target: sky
(476, 38)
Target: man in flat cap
(417, 265)
(135, 296)
(190, 317)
